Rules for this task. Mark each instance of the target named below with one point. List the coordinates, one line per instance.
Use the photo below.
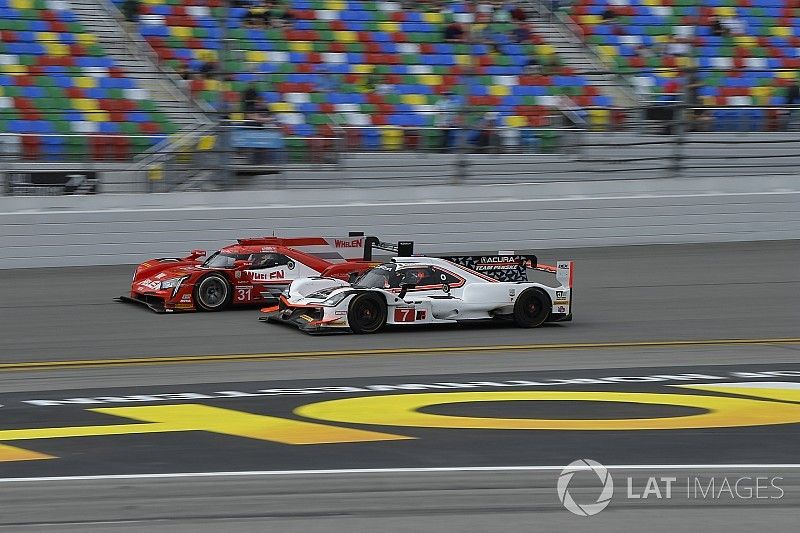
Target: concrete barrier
(122, 229)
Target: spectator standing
(486, 138)
(792, 100)
(521, 34)
(454, 33)
(250, 99)
(130, 10)
(446, 120)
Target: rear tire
(531, 308)
(366, 313)
(212, 293)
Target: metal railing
(661, 140)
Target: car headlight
(172, 283)
(336, 299)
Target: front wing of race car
(314, 319)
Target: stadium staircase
(138, 61)
(559, 32)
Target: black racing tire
(212, 293)
(532, 308)
(367, 313)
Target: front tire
(366, 313)
(212, 293)
(531, 308)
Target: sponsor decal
(348, 243)
(180, 305)
(560, 295)
(265, 276)
(290, 265)
(341, 313)
(422, 314)
(151, 284)
(186, 298)
(562, 309)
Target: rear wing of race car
(506, 266)
(400, 248)
(334, 249)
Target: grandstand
(373, 74)
(323, 68)
(64, 94)
(745, 51)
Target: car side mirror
(194, 254)
(352, 277)
(404, 288)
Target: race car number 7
(404, 314)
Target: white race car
(428, 290)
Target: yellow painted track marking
(180, 359)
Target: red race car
(252, 271)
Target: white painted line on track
(447, 469)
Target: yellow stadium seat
(430, 79)
(781, 31)
(56, 49)
(591, 19)
(84, 82)
(255, 56)
(98, 116)
(392, 138)
(301, 46)
(546, 49)
(464, 60)
(281, 107)
(516, 121)
(237, 116)
(391, 27)
(21, 4)
(725, 11)
(84, 104)
(433, 18)
(335, 5)
(87, 38)
(345, 36)
(47, 37)
(608, 50)
(362, 69)
(206, 143)
(16, 70)
(746, 40)
(414, 99)
(599, 118)
(785, 74)
(184, 32)
(499, 90)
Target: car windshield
(223, 260)
(380, 277)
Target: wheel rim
(368, 314)
(213, 292)
(531, 308)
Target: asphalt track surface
(624, 296)
(648, 293)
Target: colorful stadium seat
(55, 80)
(747, 64)
(360, 63)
